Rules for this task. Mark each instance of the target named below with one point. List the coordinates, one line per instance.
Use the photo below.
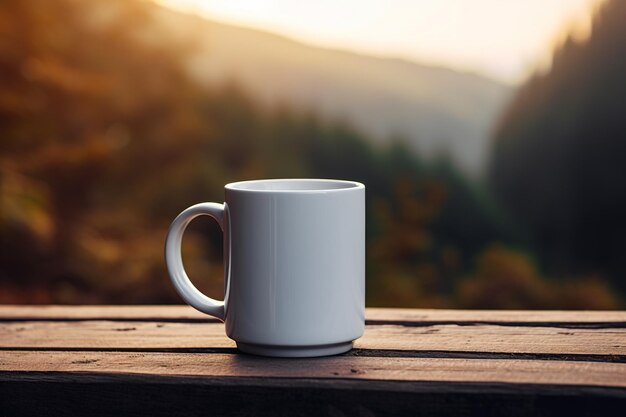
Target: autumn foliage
(104, 138)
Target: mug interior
(294, 185)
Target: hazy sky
(505, 39)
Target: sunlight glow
(503, 39)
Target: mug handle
(174, 260)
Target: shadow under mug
(294, 261)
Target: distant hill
(438, 110)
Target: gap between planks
(368, 353)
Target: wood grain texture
(158, 384)
(503, 317)
(98, 334)
(177, 313)
(182, 313)
(218, 365)
(172, 360)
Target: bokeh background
(491, 183)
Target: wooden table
(110, 360)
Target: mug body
(295, 272)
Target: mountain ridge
(438, 110)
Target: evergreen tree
(559, 158)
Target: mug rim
(333, 185)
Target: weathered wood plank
(111, 335)
(149, 360)
(502, 339)
(186, 313)
(506, 317)
(102, 312)
(443, 338)
(218, 365)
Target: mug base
(295, 351)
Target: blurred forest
(559, 160)
(105, 138)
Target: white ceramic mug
(294, 257)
